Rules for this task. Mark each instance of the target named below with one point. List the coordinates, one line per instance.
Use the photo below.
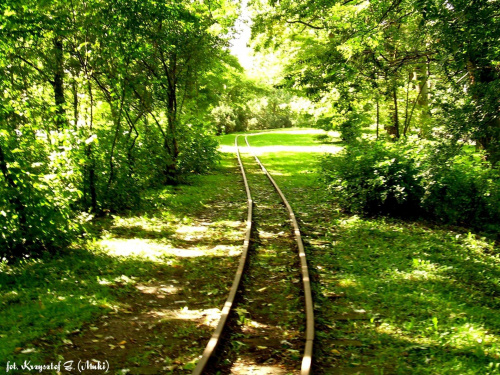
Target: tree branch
(35, 67)
(307, 24)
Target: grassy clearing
(157, 268)
(392, 296)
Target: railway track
(272, 326)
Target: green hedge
(415, 178)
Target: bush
(465, 191)
(374, 178)
(224, 119)
(37, 193)
(415, 178)
(350, 129)
(199, 154)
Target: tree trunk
(75, 103)
(423, 98)
(393, 128)
(378, 117)
(117, 119)
(90, 157)
(406, 124)
(58, 83)
(171, 145)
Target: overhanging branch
(307, 24)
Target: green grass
(429, 295)
(52, 296)
(44, 300)
(392, 296)
(279, 139)
(228, 139)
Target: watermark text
(80, 366)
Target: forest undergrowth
(392, 296)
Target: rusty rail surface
(309, 335)
(215, 339)
(308, 350)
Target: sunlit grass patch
(436, 288)
(393, 296)
(178, 240)
(280, 141)
(54, 296)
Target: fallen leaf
(30, 350)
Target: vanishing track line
(271, 330)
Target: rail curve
(309, 309)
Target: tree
(88, 90)
(465, 35)
(376, 51)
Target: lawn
(391, 296)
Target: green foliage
(465, 192)
(374, 178)
(96, 104)
(38, 191)
(201, 154)
(271, 112)
(259, 107)
(224, 119)
(409, 179)
(351, 128)
(422, 67)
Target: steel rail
(309, 336)
(308, 350)
(216, 336)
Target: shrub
(464, 191)
(415, 178)
(374, 178)
(199, 154)
(350, 129)
(224, 119)
(37, 192)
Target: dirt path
(163, 323)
